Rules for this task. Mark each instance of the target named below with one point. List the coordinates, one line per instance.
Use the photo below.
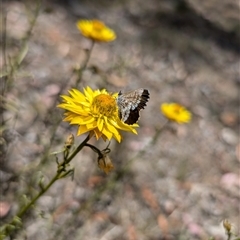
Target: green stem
(78, 149)
(23, 211)
(55, 178)
(158, 131)
(45, 189)
(94, 149)
(23, 49)
(84, 65)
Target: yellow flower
(95, 111)
(96, 30)
(176, 112)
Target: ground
(183, 184)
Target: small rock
(229, 136)
(229, 118)
(4, 176)
(231, 183)
(201, 111)
(169, 207)
(4, 209)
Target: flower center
(177, 109)
(98, 25)
(105, 105)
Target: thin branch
(84, 65)
(12, 230)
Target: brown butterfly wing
(131, 103)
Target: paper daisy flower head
(176, 112)
(96, 30)
(96, 112)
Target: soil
(182, 185)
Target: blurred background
(184, 184)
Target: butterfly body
(129, 105)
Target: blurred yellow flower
(95, 111)
(176, 112)
(96, 30)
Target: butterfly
(130, 104)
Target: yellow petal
(100, 124)
(82, 129)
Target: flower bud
(69, 141)
(105, 163)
